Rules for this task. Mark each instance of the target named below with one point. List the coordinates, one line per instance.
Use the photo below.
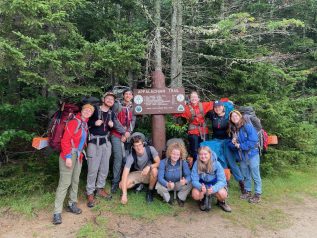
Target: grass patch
(137, 207)
(276, 191)
(28, 205)
(95, 230)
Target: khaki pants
(98, 157)
(182, 191)
(68, 179)
(136, 177)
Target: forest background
(261, 53)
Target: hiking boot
(114, 187)
(205, 204)
(241, 185)
(149, 196)
(171, 201)
(245, 195)
(180, 202)
(139, 188)
(102, 193)
(73, 208)
(224, 206)
(255, 199)
(208, 203)
(57, 219)
(91, 200)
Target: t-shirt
(142, 160)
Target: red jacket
(198, 120)
(74, 137)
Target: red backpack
(57, 125)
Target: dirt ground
(190, 223)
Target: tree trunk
(177, 51)
(158, 81)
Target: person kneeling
(145, 161)
(208, 178)
(174, 175)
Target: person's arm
(186, 172)
(195, 177)
(221, 178)
(161, 173)
(124, 185)
(117, 125)
(251, 140)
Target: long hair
(177, 146)
(233, 128)
(202, 167)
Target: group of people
(108, 129)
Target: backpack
(58, 123)
(250, 117)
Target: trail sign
(159, 101)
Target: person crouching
(174, 175)
(208, 178)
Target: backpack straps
(149, 155)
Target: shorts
(136, 177)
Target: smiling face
(175, 155)
(139, 147)
(194, 98)
(235, 118)
(108, 100)
(204, 155)
(127, 96)
(219, 110)
(86, 113)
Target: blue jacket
(248, 140)
(171, 173)
(217, 177)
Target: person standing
(195, 113)
(70, 162)
(124, 113)
(99, 148)
(244, 144)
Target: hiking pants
(98, 165)
(251, 167)
(183, 191)
(117, 151)
(194, 142)
(231, 161)
(68, 179)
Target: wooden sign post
(158, 101)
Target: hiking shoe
(180, 202)
(241, 185)
(255, 199)
(224, 206)
(103, 194)
(149, 196)
(57, 219)
(208, 203)
(139, 188)
(73, 208)
(171, 201)
(245, 195)
(205, 204)
(91, 200)
(114, 187)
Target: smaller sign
(159, 101)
